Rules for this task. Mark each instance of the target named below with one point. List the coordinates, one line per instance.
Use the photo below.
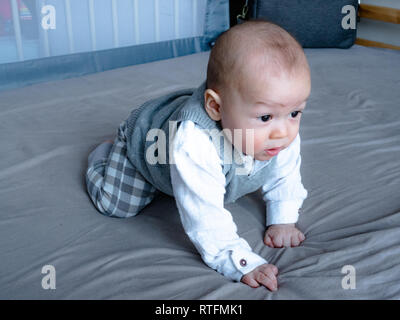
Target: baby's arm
(284, 195)
(199, 187)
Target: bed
(350, 166)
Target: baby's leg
(116, 188)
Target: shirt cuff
(244, 262)
(281, 212)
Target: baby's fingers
(278, 241)
(295, 240)
(248, 279)
(267, 280)
(268, 241)
(298, 238)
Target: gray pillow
(314, 23)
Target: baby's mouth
(273, 151)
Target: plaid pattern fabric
(116, 188)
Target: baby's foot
(283, 235)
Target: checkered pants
(116, 188)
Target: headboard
(378, 13)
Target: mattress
(350, 140)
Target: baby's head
(258, 78)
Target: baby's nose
(278, 132)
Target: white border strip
(176, 18)
(69, 26)
(115, 23)
(194, 18)
(17, 29)
(157, 20)
(136, 20)
(92, 24)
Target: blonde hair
(279, 51)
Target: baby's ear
(212, 104)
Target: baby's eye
(265, 118)
(295, 114)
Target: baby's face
(271, 106)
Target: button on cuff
(246, 261)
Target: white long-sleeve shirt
(199, 187)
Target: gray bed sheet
(350, 166)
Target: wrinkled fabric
(350, 146)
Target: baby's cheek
(260, 140)
(254, 141)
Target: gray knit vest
(178, 106)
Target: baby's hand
(283, 235)
(262, 275)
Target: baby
(258, 82)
